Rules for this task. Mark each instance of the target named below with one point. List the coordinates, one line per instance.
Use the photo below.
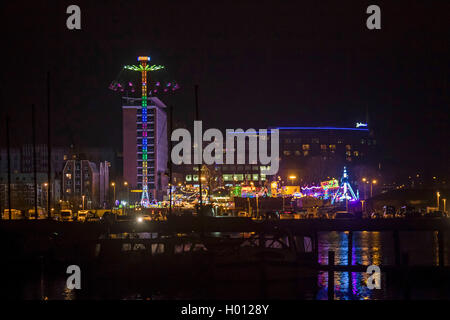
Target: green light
(142, 68)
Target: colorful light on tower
(144, 68)
(159, 84)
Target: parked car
(108, 217)
(82, 214)
(66, 215)
(287, 214)
(242, 214)
(15, 214)
(91, 217)
(375, 215)
(388, 212)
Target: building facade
(157, 153)
(306, 155)
(313, 153)
(22, 190)
(104, 183)
(80, 183)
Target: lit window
(323, 147)
(68, 176)
(305, 153)
(188, 177)
(255, 177)
(348, 147)
(297, 153)
(305, 147)
(286, 152)
(356, 153)
(227, 177)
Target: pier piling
(350, 248)
(441, 248)
(331, 275)
(397, 248)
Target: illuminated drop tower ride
(144, 67)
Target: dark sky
(258, 64)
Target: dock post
(331, 275)
(441, 247)
(397, 248)
(350, 248)
(406, 276)
(316, 246)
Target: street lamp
(438, 195)
(46, 186)
(125, 183)
(444, 200)
(364, 180)
(113, 184)
(292, 178)
(83, 196)
(371, 185)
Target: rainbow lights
(145, 202)
(143, 67)
(161, 85)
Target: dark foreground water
(368, 248)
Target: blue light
(320, 128)
(304, 128)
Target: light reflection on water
(369, 248)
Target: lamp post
(45, 188)
(364, 180)
(437, 196)
(292, 178)
(83, 196)
(113, 184)
(128, 194)
(371, 186)
(444, 200)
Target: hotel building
(157, 152)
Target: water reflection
(370, 248)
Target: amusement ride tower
(149, 88)
(345, 191)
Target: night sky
(257, 63)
